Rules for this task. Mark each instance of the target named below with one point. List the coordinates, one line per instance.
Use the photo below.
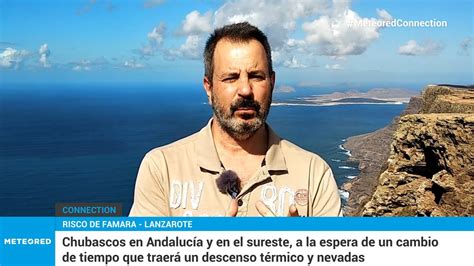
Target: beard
(245, 126)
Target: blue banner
(31, 240)
(266, 224)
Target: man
(274, 176)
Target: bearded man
(236, 165)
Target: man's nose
(245, 87)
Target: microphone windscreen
(229, 183)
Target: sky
(314, 42)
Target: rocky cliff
(425, 159)
(371, 151)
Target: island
(373, 96)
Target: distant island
(373, 96)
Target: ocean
(84, 143)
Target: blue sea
(84, 143)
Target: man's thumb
(233, 208)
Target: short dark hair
(238, 32)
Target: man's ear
(208, 88)
(273, 79)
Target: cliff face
(446, 99)
(430, 169)
(372, 151)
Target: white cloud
(412, 48)
(325, 25)
(155, 40)
(83, 65)
(384, 15)
(195, 24)
(191, 49)
(87, 65)
(79, 68)
(12, 58)
(195, 27)
(329, 34)
(44, 61)
(155, 37)
(132, 64)
(334, 67)
(44, 49)
(337, 34)
(293, 63)
(293, 43)
(146, 50)
(278, 19)
(44, 55)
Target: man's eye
(229, 79)
(257, 77)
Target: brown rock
(445, 180)
(446, 99)
(371, 151)
(421, 164)
(430, 168)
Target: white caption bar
(263, 248)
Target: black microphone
(229, 183)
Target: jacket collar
(208, 158)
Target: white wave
(346, 167)
(346, 152)
(351, 176)
(344, 194)
(336, 160)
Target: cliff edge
(421, 164)
(371, 151)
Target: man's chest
(196, 194)
(245, 167)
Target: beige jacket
(179, 179)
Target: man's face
(241, 90)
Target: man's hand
(233, 208)
(263, 209)
(293, 211)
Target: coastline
(419, 164)
(334, 103)
(342, 191)
(350, 176)
(430, 168)
(373, 96)
(371, 151)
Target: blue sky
(161, 41)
